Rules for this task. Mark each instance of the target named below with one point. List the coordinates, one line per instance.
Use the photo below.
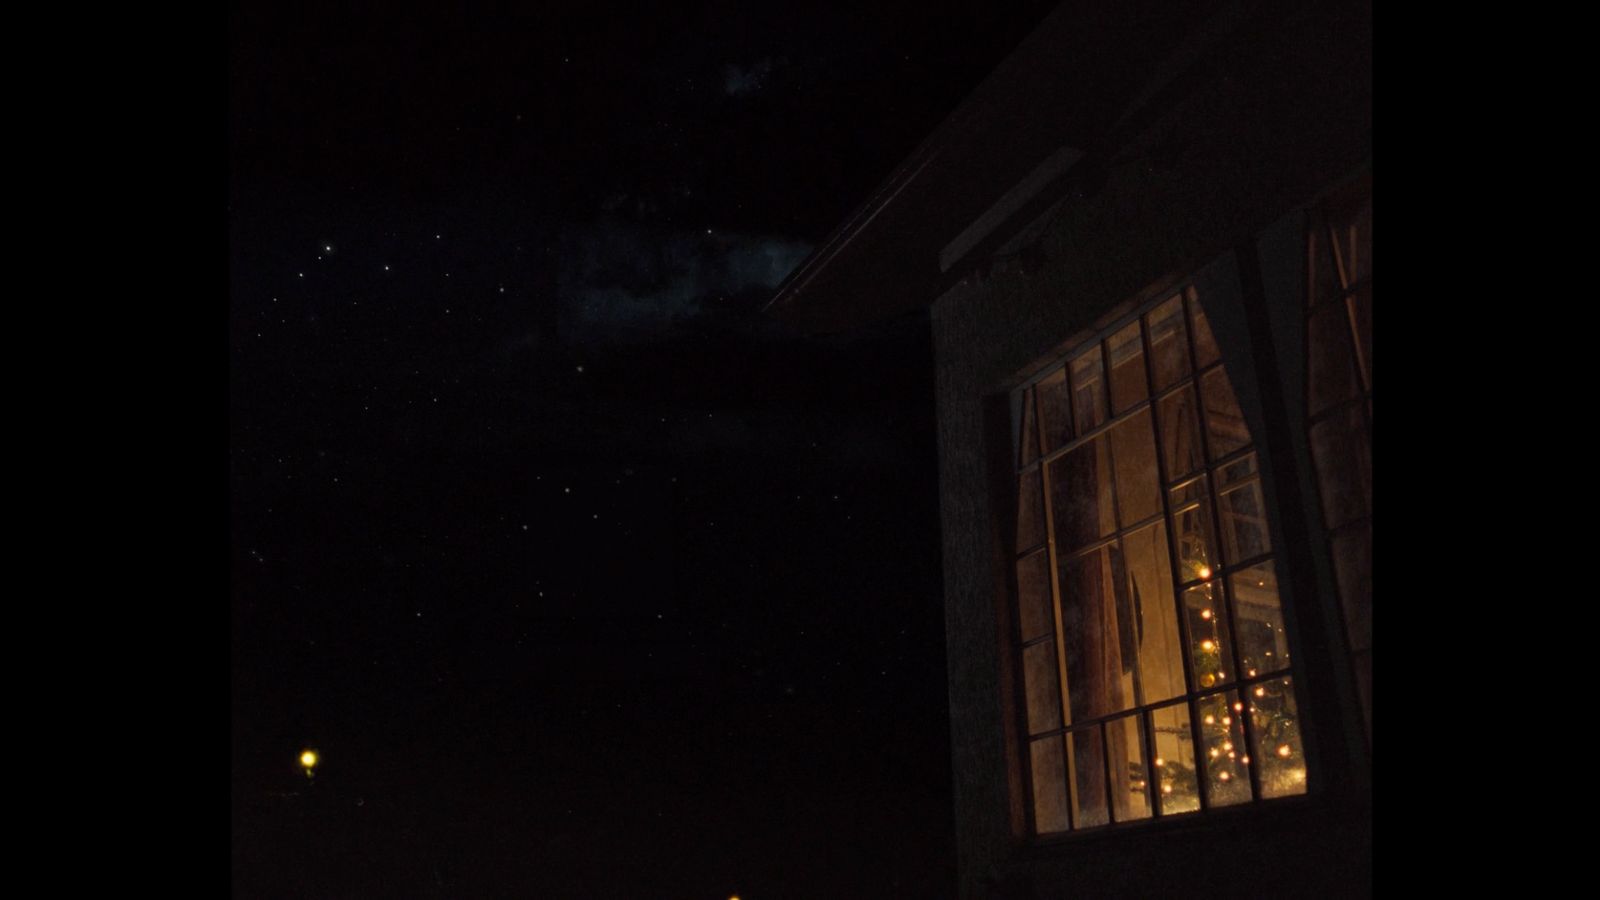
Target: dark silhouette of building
(1145, 242)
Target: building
(1145, 243)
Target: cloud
(625, 281)
(743, 82)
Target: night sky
(583, 576)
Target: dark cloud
(740, 81)
(632, 282)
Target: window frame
(1021, 400)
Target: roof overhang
(1044, 120)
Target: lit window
(1155, 667)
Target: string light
(1208, 645)
(1238, 707)
(1160, 761)
(1166, 789)
(1284, 751)
(1224, 776)
(1211, 720)
(1227, 745)
(1261, 692)
(1205, 571)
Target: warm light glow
(1208, 645)
(1245, 760)
(1205, 614)
(1224, 776)
(1214, 752)
(1205, 571)
(1160, 761)
(1166, 789)
(1227, 720)
(308, 759)
(1261, 692)
(1238, 707)
(1284, 751)
(1227, 745)
(1211, 720)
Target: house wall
(1210, 191)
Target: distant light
(308, 759)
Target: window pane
(1088, 777)
(1042, 687)
(1244, 521)
(1033, 595)
(1130, 781)
(1128, 387)
(1205, 346)
(1363, 665)
(1030, 515)
(1263, 645)
(1210, 649)
(1332, 359)
(1088, 390)
(1177, 789)
(1275, 728)
(1133, 448)
(1154, 618)
(1169, 344)
(1324, 268)
(1352, 240)
(1055, 420)
(1191, 525)
(1099, 664)
(1180, 433)
(1361, 321)
(1352, 564)
(1342, 450)
(1080, 494)
(1222, 747)
(1029, 440)
(1049, 786)
(1225, 427)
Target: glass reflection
(1128, 385)
(1081, 492)
(1042, 687)
(1033, 595)
(1181, 449)
(1055, 420)
(1154, 633)
(1088, 391)
(1138, 482)
(1130, 779)
(1222, 749)
(1049, 786)
(1275, 732)
(1169, 344)
(1088, 762)
(1210, 649)
(1263, 644)
(1095, 627)
(1173, 769)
